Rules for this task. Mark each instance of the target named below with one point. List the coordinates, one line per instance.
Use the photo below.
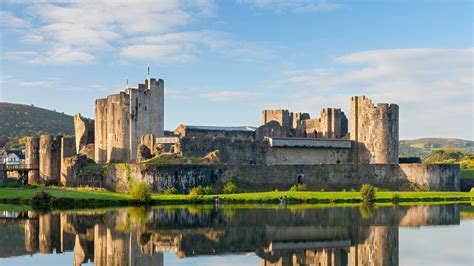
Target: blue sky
(225, 61)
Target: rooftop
(220, 128)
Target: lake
(241, 235)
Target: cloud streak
(432, 86)
(284, 6)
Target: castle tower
(32, 157)
(121, 119)
(374, 130)
(50, 157)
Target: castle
(121, 119)
(129, 128)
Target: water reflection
(279, 236)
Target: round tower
(32, 157)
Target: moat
(240, 235)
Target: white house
(12, 157)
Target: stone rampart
(333, 177)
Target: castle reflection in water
(294, 235)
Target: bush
(41, 201)
(200, 190)
(207, 190)
(171, 191)
(395, 198)
(472, 190)
(230, 188)
(298, 187)
(141, 192)
(367, 192)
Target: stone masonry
(68, 149)
(331, 124)
(121, 119)
(50, 158)
(32, 147)
(374, 130)
(84, 132)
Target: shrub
(140, 192)
(298, 187)
(200, 190)
(41, 200)
(171, 191)
(472, 190)
(367, 192)
(395, 198)
(230, 188)
(207, 190)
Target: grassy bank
(70, 199)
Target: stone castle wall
(252, 178)
(68, 149)
(83, 131)
(331, 124)
(374, 130)
(121, 119)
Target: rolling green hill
(19, 120)
(423, 147)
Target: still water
(241, 235)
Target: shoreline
(74, 199)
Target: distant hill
(19, 120)
(423, 147)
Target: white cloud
(56, 56)
(186, 46)
(77, 30)
(8, 82)
(220, 96)
(434, 87)
(283, 6)
(9, 21)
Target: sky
(225, 61)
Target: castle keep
(121, 119)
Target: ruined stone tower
(121, 119)
(50, 158)
(32, 147)
(374, 130)
(331, 124)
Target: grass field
(69, 199)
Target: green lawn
(22, 195)
(323, 197)
(28, 193)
